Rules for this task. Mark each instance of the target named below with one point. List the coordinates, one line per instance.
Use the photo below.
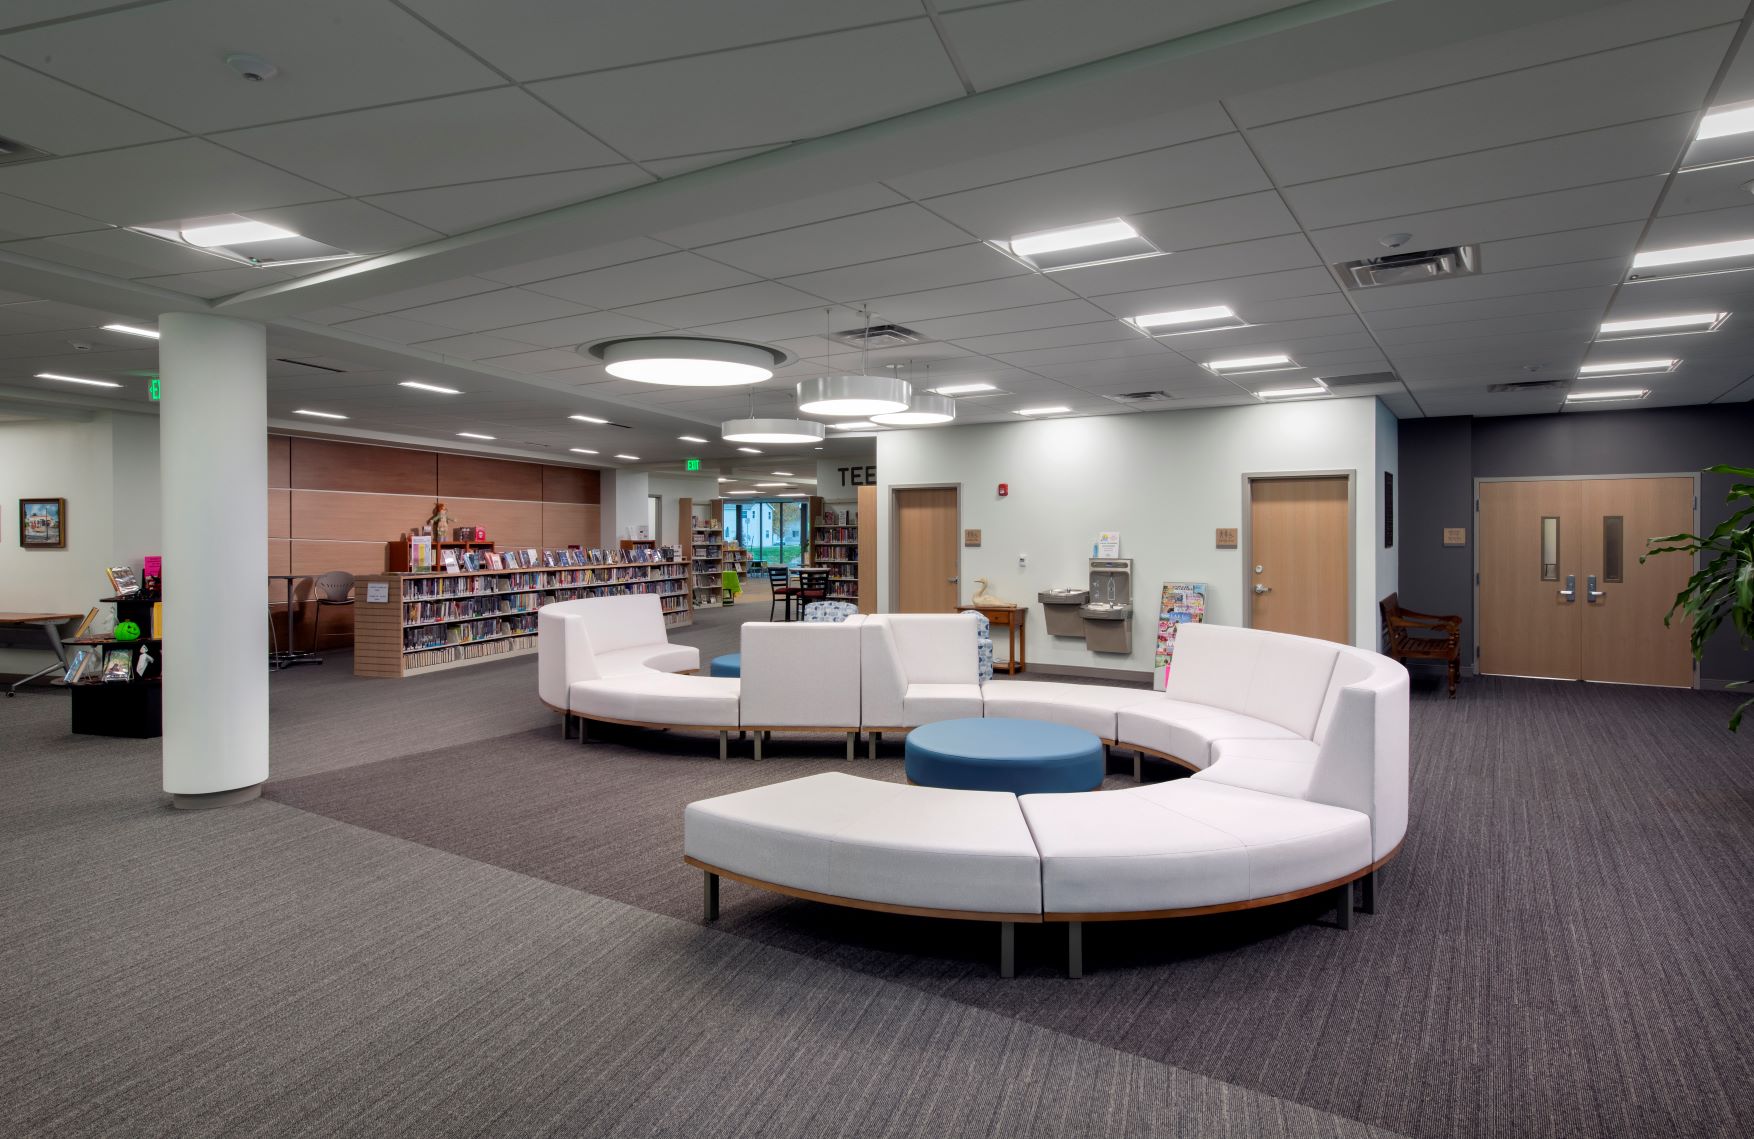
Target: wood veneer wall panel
(279, 460)
(572, 484)
(488, 478)
(508, 523)
(569, 524)
(323, 464)
(357, 558)
(279, 513)
(333, 515)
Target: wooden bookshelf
(737, 558)
(838, 546)
(704, 550)
(429, 622)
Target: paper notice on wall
(1182, 602)
(377, 591)
(1108, 544)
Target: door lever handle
(1593, 592)
(1570, 590)
(1259, 588)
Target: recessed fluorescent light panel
(964, 389)
(1306, 391)
(319, 414)
(629, 458)
(587, 419)
(132, 330)
(1054, 410)
(424, 387)
(1184, 321)
(1682, 325)
(1607, 396)
(1720, 123)
(792, 494)
(765, 485)
(76, 380)
(1095, 243)
(784, 474)
(731, 492)
(691, 439)
(581, 451)
(1693, 260)
(1626, 368)
(1250, 365)
(749, 450)
(244, 240)
(472, 435)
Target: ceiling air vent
(1141, 397)
(1529, 386)
(1410, 268)
(13, 151)
(879, 336)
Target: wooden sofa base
(1345, 900)
(1139, 768)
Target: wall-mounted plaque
(971, 537)
(1227, 537)
(1455, 535)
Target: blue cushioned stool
(1021, 756)
(731, 664)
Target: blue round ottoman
(1021, 756)
(731, 664)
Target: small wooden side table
(1014, 618)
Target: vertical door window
(1549, 549)
(1614, 548)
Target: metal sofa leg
(1007, 949)
(724, 745)
(1138, 767)
(1367, 893)
(758, 737)
(566, 725)
(584, 731)
(710, 909)
(1343, 905)
(1074, 949)
(852, 742)
(871, 744)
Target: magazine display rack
(115, 685)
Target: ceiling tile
(761, 298)
(61, 119)
(1020, 319)
(756, 94)
(688, 163)
(168, 59)
(1122, 187)
(427, 294)
(348, 224)
(544, 360)
(21, 219)
(803, 211)
(394, 328)
(570, 331)
(889, 232)
(963, 264)
(1099, 332)
(1216, 263)
(1242, 294)
(483, 311)
(958, 300)
(580, 261)
(20, 12)
(414, 145)
(672, 275)
(472, 205)
(158, 182)
(474, 346)
(216, 282)
(119, 253)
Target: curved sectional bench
(1298, 749)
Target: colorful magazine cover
(1181, 602)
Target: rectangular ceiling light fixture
(1730, 120)
(1078, 246)
(244, 240)
(765, 485)
(1683, 325)
(581, 451)
(1607, 396)
(964, 389)
(691, 439)
(1626, 368)
(1250, 365)
(132, 330)
(425, 387)
(629, 458)
(1693, 260)
(1056, 409)
(1305, 392)
(587, 419)
(749, 450)
(1183, 321)
(472, 435)
(76, 380)
(319, 414)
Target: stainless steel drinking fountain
(1107, 614)
(1060, 608)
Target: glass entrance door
(773, 532)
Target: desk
(1014, 618)
(47, 635)
(290, 656)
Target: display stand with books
(115, 675)
(413, 623)
(704, 550)
(835, 544)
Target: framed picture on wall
(42, 523)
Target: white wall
(674, 488)
(623, 509)
(1165, 480)
(106, 467)
(828, 479)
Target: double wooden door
(1561, 590)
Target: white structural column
(213, 433)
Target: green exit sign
(152, 388)
(693, 464)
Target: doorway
(1299, 569)
(1560, 591)
(926, 559)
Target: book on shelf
(78, 665)
(85, 626)
(123, 580)
(118, 663)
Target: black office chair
(783, 591)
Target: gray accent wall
(1441, 458)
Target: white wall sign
(377, 591)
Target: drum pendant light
(854, 395)
(771, 431)
(923, 410)
(687, 361)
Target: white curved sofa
(1299, 750)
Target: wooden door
(1624, 639)
(1531, 547)
(1299, 538)
(925, 550)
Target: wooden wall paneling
(279, 513)
(508, 523)
(568, 524)
(460, 475)
(322, 464)
(867, 503)
(315, 557)
(332, 515)
(572, 484)
(279, 461)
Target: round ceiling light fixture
(924, 410)
(771, 431)
(687, 361)
(854, 395)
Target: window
(772, 532)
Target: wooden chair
(783, 591)
(1423, 636)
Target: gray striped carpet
(450, 922)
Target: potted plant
(1723, 587)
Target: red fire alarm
(1004, 489)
